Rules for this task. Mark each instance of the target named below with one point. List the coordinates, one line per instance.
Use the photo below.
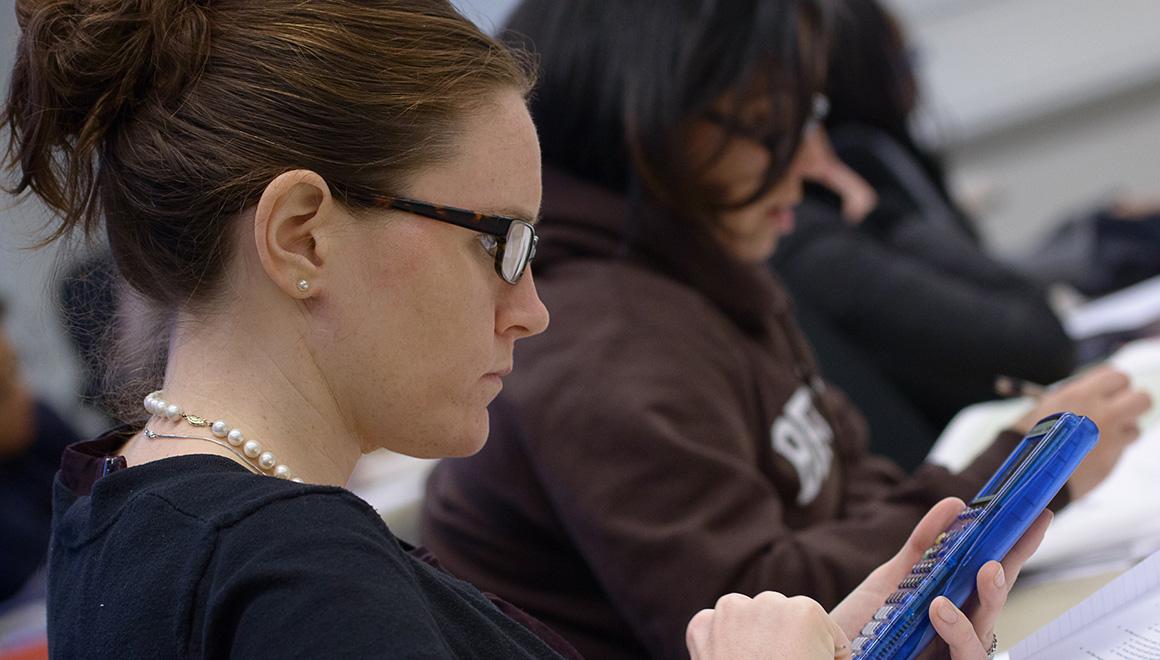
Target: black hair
(871, 79)
(622, 80)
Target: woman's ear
(289, 220)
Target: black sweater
(911, 294)
(194, 556)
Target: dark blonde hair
(163, 119)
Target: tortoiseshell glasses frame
(515, 239)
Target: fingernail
(947, 611)
(1000, 579)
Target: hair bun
(96, 61)
(83, 67)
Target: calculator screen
(1010, 468)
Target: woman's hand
(821, 165)
(964, 637)
(1106, 396)
(768, 625)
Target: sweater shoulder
(627, 340)
(605, 302)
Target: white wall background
(1042, 104)
(1050, 104)
(488, 14)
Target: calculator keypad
(918, 573)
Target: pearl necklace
(251, 452)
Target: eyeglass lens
(517, 250)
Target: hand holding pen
(1009, 387)
(1105, 395)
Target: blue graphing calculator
(985, 530)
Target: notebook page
(1122, 620)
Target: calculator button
(871, 628)
(896, 597)
(858, 644)
(883, 613)
(910, 582)
(923, 567)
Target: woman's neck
(264, 384)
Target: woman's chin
(465, 449)
(471, 439)
(756, 247)
(757, 251)
(459, 442)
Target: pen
(1010, 387)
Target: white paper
(1127, 309)
(1120, 519)
(1119, 622)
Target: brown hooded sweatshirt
(667, 441)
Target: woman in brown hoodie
(670, 438)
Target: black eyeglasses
(515, 244)
(819, 110)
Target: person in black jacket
(909, 314)
(32, 437)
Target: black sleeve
(318, 586)
(898, 430)
(936, 312)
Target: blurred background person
(909, 314)
(32, 438)
(94, 309)
(673, 421)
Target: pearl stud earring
(303, 286)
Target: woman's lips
(496, 377)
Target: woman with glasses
(286, 183)
(254, 168)
(671, 438)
